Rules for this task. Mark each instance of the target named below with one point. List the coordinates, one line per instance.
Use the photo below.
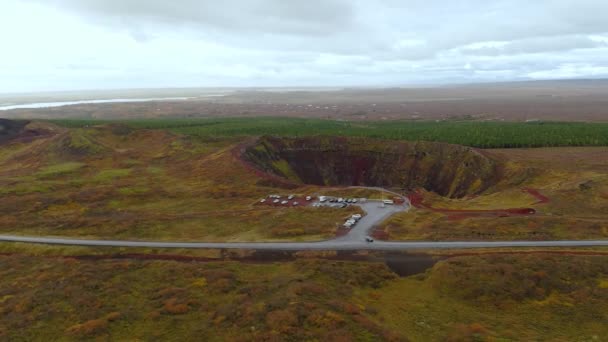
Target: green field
(469, 133)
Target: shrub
(281, 320)
(171, 306)
(92, 327)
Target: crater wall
(449, 170)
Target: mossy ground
(109, 182)
(115, 181)
(575, 181)
(66, 293)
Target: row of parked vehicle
(352, 221)
(278, 199)
(337, 200)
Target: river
(70, 103)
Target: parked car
(275, 201)
(322, 198)
(263, 200)
(290, 197)
(308, 198)
(284, 202)
(295, 204)
(356, 216)
(369, 239)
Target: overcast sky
(105, 44)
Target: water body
(406, 265)
(71, 103)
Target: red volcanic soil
(446, 169)
(341, 231)
(417, 200)
(540, 197)
(526, 253)
(380, 234)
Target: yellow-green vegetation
(113, 181)
(75, 293)
(116, 181)
(574, 180)
(59, 169)
(498, 298)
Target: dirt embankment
(10, 129)
(23, 130)
(449, 170)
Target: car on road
(369, 239)
(390, 202)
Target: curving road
(354, 240)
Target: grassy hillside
(469, 133)
(573, 180)
(116, 182)
(52, 293)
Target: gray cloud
(276, 16)
(279, 42)
(536, 45)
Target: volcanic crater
(449, 170)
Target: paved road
(374, 214)
(355, 240)
(321, 245)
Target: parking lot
(298, 200)
(355, 227)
